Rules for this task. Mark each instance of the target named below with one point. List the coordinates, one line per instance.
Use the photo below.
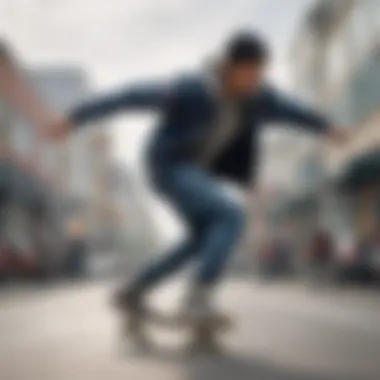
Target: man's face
(243, 79)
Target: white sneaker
(198, 305)
(200, 308)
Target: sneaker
(200, 308)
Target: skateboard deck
(179, 321)
(204, 336)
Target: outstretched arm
(283, 109)
(143, 97)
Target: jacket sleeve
(283, 109)
(137, 98)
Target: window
(361, 24)
(366, 89)
(21, 139)
(373, 8)
(307, 73)
(337, 60)
(360, 98)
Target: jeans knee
(234, 215)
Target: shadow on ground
(237, 367)
(229, 367)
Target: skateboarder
(208, 129)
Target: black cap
(246, 47)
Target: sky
(119, 41)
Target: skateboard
(204, 335)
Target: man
(208, 129)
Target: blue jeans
(214, 222)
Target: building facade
(69, 178)
(336, 60)
(68, 167)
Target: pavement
(283, 331)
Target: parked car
(360, 263)
(276, 259)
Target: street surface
(283, 331)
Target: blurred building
(76, 168)
(336, 61)
(70, 180)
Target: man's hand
(338, 136)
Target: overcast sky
(118, 41)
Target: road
(283, 331)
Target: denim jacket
(187, 108)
